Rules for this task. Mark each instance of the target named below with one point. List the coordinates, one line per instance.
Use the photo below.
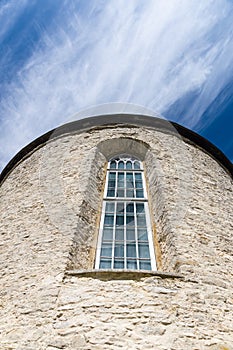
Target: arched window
(125, 235)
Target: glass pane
(131, 250)
(130, 220)
(138, 177)
(120, 207)
(145, 265)
(120, 179)
(143, 250)
(112, 176)
(118, 264)
(105, 264)
(108, 220)
(111, 193)
(120, 220)
(106, 249)
(139, 194)
(111, 183)
(136, 165)
(130, 208)
(107, 234)
(138, 184)
(140, 207)
(113, 164)
(120, 193)
(119, 234)
(121, 165)
(110, 207)
(142, 234)
(120, 184)
(129, 180)
(141, 220)
(119, 250)
(130, 193)
(128, 165)
(132, 264)
(130, 234)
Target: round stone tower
(116, 233)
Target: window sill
(121, 274)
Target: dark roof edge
(121, 119)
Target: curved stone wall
(50, 211)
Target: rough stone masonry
(51, 296)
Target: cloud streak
(150, 53)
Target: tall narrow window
(125, 236)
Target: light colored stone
(50, 210)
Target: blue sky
(58, 57)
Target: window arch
(125, 234)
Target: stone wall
(50, 210)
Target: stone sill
(121, 274)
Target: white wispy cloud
(149, 53)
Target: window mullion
(116, 185)
(134, 185)
(114, 236)
(125, 257)
(125, 184)
(136, 235)
(142, 200)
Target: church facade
(116, 233)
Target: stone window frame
(141, 261)
(82, 255)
